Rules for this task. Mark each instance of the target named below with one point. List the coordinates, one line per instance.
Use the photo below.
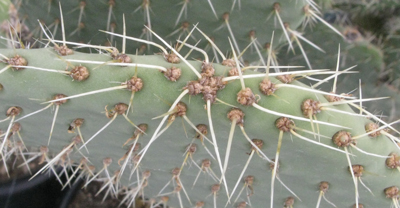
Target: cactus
(215, 18)
(371, 43)
(282, 142)
(3, 17)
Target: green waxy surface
(255, 15)
(303, 165)
(4, 16)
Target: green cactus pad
(303, 165)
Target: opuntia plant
(371, 42)
(182, 129)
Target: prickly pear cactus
(188, 133)
(4, 5)
(241, 21)
(370, 29)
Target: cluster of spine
(171, 20)
(370, 29)
(332, 146)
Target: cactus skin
(166, 152)
(302, 165)
(370, 43)
(367, 7)
(253, 15)
(3, 18)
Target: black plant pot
(43, 191)
(71, 193)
